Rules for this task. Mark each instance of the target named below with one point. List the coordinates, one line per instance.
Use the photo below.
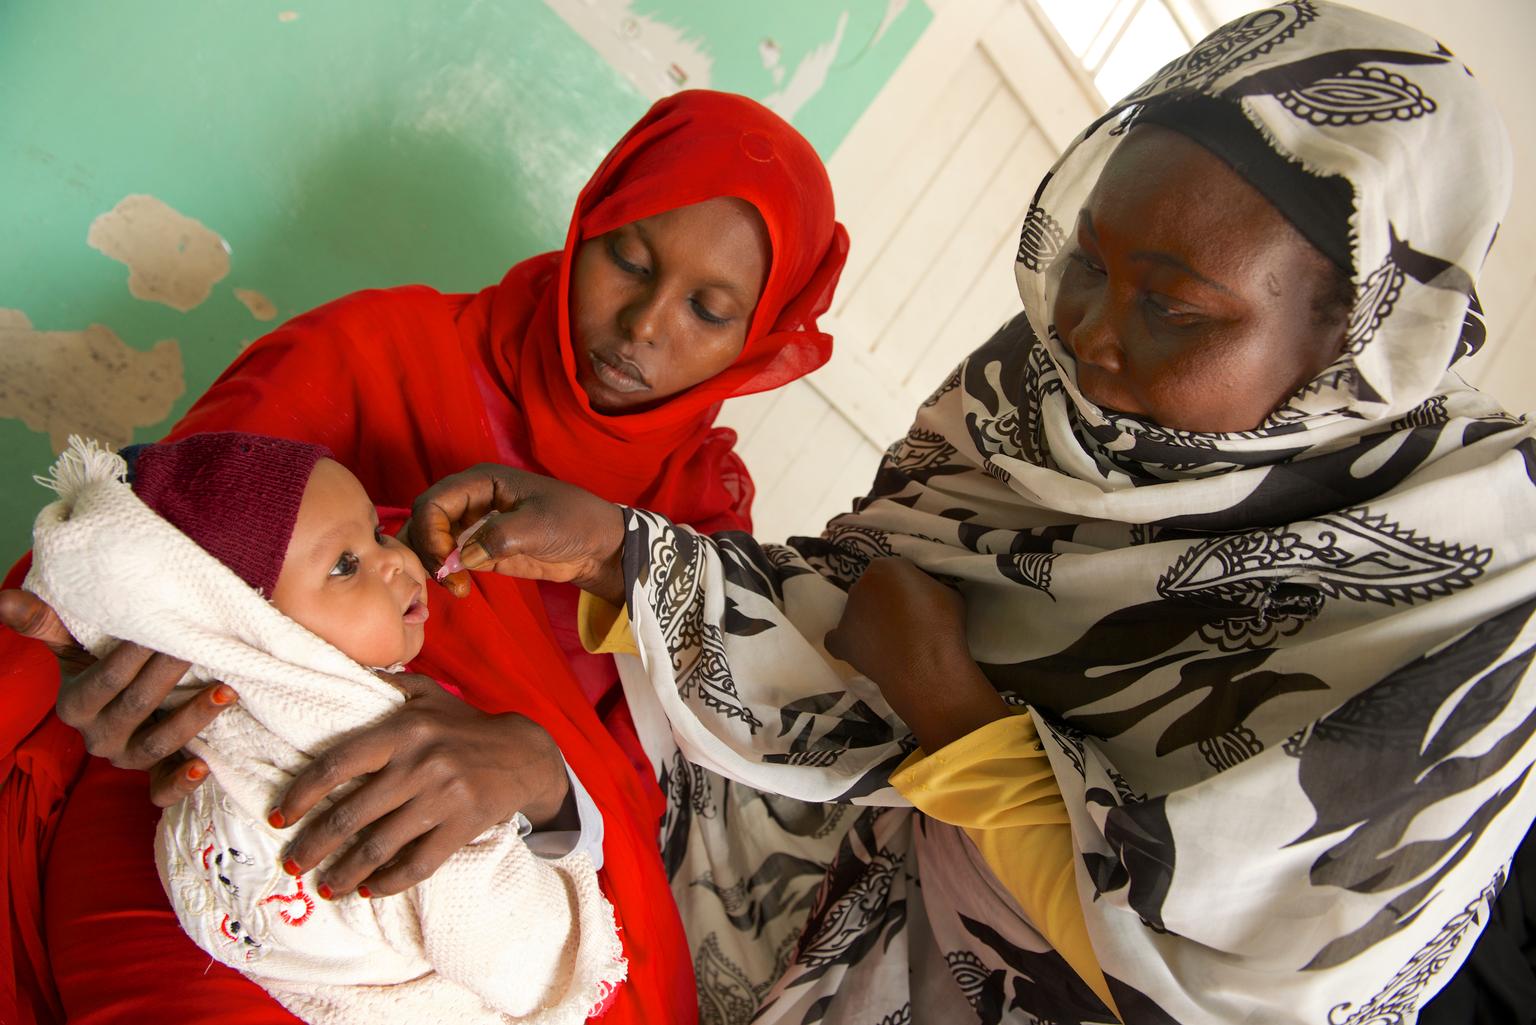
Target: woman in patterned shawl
(1258, 570)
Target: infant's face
(346, 581)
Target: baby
(179, 547)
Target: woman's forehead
(724, 233)
(1161, 189)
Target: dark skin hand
(543, 529)
(436, 774)
(113, 701)
(439, 772)
(905, 631)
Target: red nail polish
(324, 891)
(364, 892)
(222, 695)
(276, 820)
(291, 867)
(196, 771)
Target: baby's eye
(345, 566)
(380, 536)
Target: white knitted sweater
(497, 934)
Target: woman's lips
(618, 374)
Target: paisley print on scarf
(1041, 240)
(1228, 48)
(1358, 96)
(1399, 998)
(1354, 554)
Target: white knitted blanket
(496, 934)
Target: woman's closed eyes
(629, 265)
(1086, 262)
(1169, 311)
(1172, 312)
(635, 266)
(705, 314)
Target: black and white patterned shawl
(1282, 676)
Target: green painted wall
(334, 145)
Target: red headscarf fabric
(408, 385)
(691, 147)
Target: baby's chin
(379, 660)
(413, 647)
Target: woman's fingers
(172, 779)
(112, 702)
(128, 735)
(503, 537)
(83, 699)
(115, 703)
(546, 530)
(157, 745)
(32, 617)
(364, 753)
(369, 751)
(429, 548)
(419, 861)
(404, 844)
(445, 509)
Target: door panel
(932, 184)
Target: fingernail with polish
(222, 695)
(365, 893)
(291, 867)
(196, 771)
(276, 820)
(325, 891)
(473, 555)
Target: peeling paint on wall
(172, 258)
(658, 58)
(86, 382)
(810, 75)
(893, 9)
(816, 62)
(260, 306)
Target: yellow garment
(996, 784)
(603, 628)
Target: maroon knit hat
(237, 495)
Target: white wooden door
(932, 184)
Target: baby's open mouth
(417, 611)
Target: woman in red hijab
(698, 259)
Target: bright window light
(1151, 40)
(1078, 21)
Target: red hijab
(691, 147)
